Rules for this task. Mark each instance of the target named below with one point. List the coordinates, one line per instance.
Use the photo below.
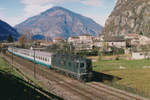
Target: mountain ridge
(5, 30)
(59, 21)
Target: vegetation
(109, 65)
(13, 87)
(132, 75)
(114, 51)
(10, 38)
(93, 52)
(22, 40)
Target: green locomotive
(73, 65)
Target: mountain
(61, 22)
(5, 30)
(128, 16)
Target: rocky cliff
(128, 16)
(61, 22)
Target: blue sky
(16, 11)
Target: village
(134, 45)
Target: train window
(62, 62)
(45, 59)
(81, 65)
(69, 64)
(77, 65)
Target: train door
(81, 68)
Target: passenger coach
(42, 58)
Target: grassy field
(13, 87)
(109, 65)
(7, 69)
(134, 74)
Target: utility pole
(34, 65)
(34, 68)
(12, 57)
(1, 51)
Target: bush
(114, 51)
(117, 58)
(88, 53)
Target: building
(135, 40)
(86, 38)
(140, 55)
(82, 42)
(98, 41)
(74, 40)
(132, 36)
(46, 43)
(132, 39)
(57, 39)
(118, 42)
(144, 40)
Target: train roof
(46, 54)
(70, 56)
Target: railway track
(88, 91)
(52, 76)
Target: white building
(82, 42)
(118, 42)
(144, 40)
(57, 39)
(138, 55)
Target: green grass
(134, 78)
(8, 69)
(109, 65)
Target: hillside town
(134, 44)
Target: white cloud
(2, 8)
(1, 13)
(96, 3)
(2, 16)
(34, 7)
(13, 20)
(43, 2)
(31, 10)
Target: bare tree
(28, 34)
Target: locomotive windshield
(81, 65)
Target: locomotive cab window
(81, 65)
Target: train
(71, 65)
